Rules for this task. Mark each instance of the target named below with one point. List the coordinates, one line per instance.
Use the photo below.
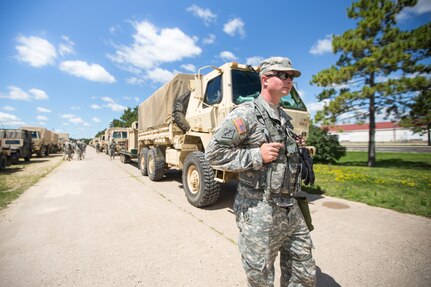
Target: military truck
(118, 134)
(177, 122)
(5, 154)
(19, 142)
(129, 151)
(41, 139)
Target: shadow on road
(324, 280)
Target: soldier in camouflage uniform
(257, 140)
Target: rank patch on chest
(239, 125)
(228, 134)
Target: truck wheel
(142, 161)
(198, 180)
(155, 165)
(179, 111)
(3, 161)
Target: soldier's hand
(270, 151)
(300, 141)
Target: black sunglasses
(281, 75)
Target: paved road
(98, 222)
(389, 147)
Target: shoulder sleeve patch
(240, 125)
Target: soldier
(97, 147)
(111, 148)
(256, 139)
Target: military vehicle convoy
(177, 122)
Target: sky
(72, 66)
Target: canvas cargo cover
(156, 111)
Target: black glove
(307, 167)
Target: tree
(380, 67)
(328, 148)
(127, 118)
(419, 117)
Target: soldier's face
(279, 86)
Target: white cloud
(204, 14)
(95, 107)
(10, 120)
(96, 120)
(421, 7)
(8, 108)
(153, 46)
(43, 110)
(113, 105)
(38, 94)
(136, 99)
(322, 46)
(73, 119)
(75, 108)
(92, 72)
(159, 75)
(68, 116)
(234, 26)
(135, 81)
(254, 61)
(227, 56)
(16, 93)
(210, 39)
(36, 51)
(189, 67)
(66, 47)
(42, 118)
(317, 106)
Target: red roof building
(385, 132)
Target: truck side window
(213, 93)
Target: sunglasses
(281, 75)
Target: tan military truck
(129, 151)
(177, 122)
(19, 142)
(118, 134)
(62, 138)
(41, 139)
(5, 154)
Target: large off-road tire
(143, 161)
(155, 164)
(179, 111)
(198, 181)
(3, 162)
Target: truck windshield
(119, 135)
(246, 87)
(35, 135)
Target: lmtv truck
(41, 140)
(118, 134)
(177, 122)
(19, 142)
(130, 150)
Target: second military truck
(177, 122)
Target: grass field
(400, 181)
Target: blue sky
(73, 66)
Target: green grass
(400, 181)
(13, 182)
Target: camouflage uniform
(267, 215)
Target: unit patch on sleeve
(240, 126)
(228, 134)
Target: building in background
(385, 132)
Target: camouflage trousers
(265, 230)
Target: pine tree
(381, 68)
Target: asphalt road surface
(98, 222)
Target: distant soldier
(78, 149)
(83, 149)
(97, 147)
(111, 148)
(67, 151)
